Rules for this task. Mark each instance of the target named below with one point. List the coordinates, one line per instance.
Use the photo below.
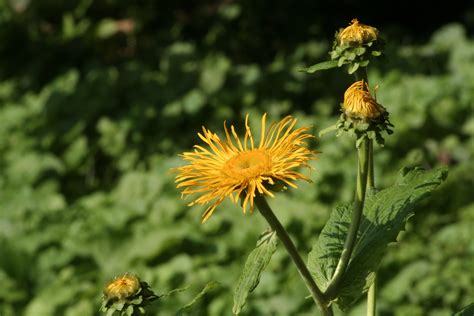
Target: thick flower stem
(362, 175)
(361, 74)
(370, 179)
(372, 293)
(371, 298)
(275, 224)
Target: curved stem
(362, 175)
(275, 224)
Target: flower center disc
(248, 164)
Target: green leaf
(255, 264)
(360, 51)
(185, 309)
(323, 258)
(466, 311)
(341, 61)
(376, 53)
(353, 67)
(385, 215)
(350, 55)
(321, 66)
(364, 63)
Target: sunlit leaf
(254, 266)
(385, 215)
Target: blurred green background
(97, 98)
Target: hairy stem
(362, 175)
(275, 224)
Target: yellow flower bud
(358, 103)
(357, 34)
(122, 287)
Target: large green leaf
(323, 258)
(385, 215)
(255, 264)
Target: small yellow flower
(358, 103)
(122, 287)
(357, 34)
(240, 169)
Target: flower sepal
(356, 56)
(365, 128)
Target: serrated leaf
(321, 66)
(385, 215)
(256, 262)
(323, 258)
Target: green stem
(275, 224)
(362, 174)
(371, 180)
(371, 298)
(361, 74)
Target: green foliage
(385, 215)
(353, 56)
(99, 97)
(256, 262)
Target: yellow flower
(122, 287)
(240, 169)
(357, 34)
(358, 103)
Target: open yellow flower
(357, 34)
(239, 169)
(358, 103)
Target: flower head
(357, 34)
(358, 103)
(122, 287)
(240, 169)
(127, 295)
